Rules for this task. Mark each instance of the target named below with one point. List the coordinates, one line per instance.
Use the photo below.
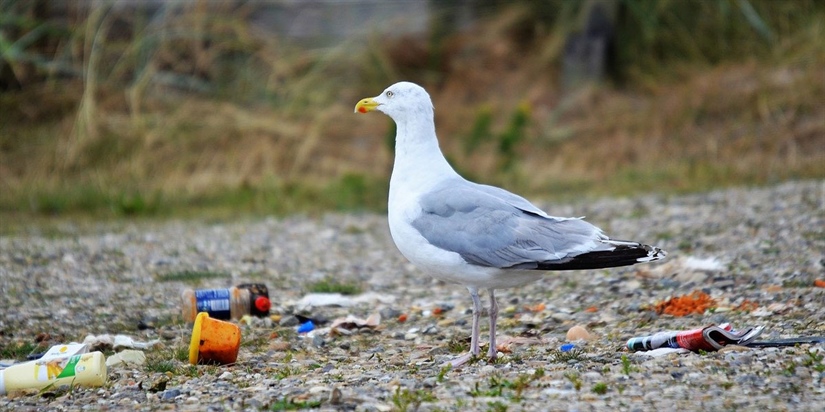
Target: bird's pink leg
(474, 347)
(492, 351)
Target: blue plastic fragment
(567, 347)
(305, 327)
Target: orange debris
(402, 317)
(773, 288)
(696, 302)
(747, 306)
(537, 308)
(820, 283)
(592, 309)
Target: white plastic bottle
(85, 369)
(224, 304)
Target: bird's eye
(389, 93)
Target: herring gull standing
(479, 236)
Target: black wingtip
(624, 254)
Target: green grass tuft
(191, 276)
(18, 350)
(330, 285)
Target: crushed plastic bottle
(55, 369)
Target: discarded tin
(709, 338)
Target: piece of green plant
(575, 379)
(627, 367)
(332, 285)
(285, 404)
(407, 400)
(191, 276)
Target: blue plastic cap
(308, 326)
(567, 347)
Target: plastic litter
(117, 342)
(337, 299)
(225, 304)
(258, 299)
(62, 365)
(345, 326)
(214, 341)
(305, 327)
(128, 357)
(788, 342)
(567, 347)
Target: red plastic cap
(262, 304)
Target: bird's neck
(418, 155)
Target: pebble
(289, 321)
(170, 394)
(578, 332)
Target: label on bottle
(48, 369)
(213, 301)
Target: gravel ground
(65, 281)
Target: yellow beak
(366, 105)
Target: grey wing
(511, 198)
(489, 230)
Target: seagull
(475, 235)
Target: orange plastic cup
(214, 341)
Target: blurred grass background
(186, 108)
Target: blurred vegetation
(115, 109)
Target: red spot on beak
(362, 109)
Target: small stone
(159, 384)
(318, 341)
(315, 390)
(289, 320)
(170, 394)
(734, 348)
(578, 332)
(168, 334)
(335, 396)
(389, 313)
(279, 345)
(226, 376)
